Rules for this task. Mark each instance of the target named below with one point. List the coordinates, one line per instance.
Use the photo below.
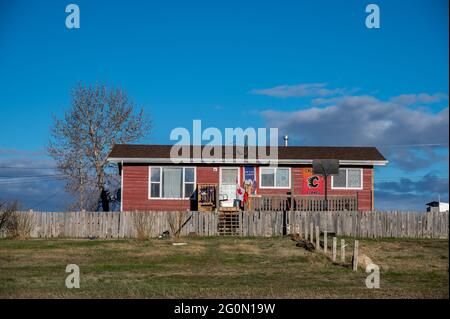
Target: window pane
(267, 178)
(155, 171)
(354, 178)
(340, 180)
(230, 176)
(172, 182)
(154, 190)
(189, 174)
(282, 177)
(188, 190)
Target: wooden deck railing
(301, 203)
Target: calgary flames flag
(311, 184)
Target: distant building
(436, 206)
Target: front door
(229, 181)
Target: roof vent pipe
(286, 138)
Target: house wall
(365, 195)
(135, 188)
(135, 192)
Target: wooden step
(228, 209)
(228, 222)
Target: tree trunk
(103, 193)
(105, 200)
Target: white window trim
(160, 182)
(346, 179)
(275, 178)
(230, 167)
(237, 168)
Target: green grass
(217, 268)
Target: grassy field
(217, 268)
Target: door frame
(238, 168)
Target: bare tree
(143, 223)
(15, 224)
(7, 209)
(176, 220)
(80, 142)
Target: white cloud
(362, 120)
(299, 90)
(30, 178)
(422, 98)
(367, 121)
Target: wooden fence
(371, 224)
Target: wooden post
(355, 255)
(334, 248)
(317, 238)
(311, 233)
(343, 250)
(300, 231)
(306, 230)
(325, 242)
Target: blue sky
(237, 64)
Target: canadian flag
(239, 191)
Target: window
(155, 182)
(172, 182)
(275, 178)
(348, 178)
(189, 181)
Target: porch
(301, 203)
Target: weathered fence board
(376, 224)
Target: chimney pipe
(286, 138)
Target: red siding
(364, 195)
(135, 188)
(135, 192)
(208, 174)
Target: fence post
(306, 230)
(355, 255)
(334, 248)
(317, 238)
(343, 250)
(325, 242)
(311, 233)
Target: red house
(151, 181)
